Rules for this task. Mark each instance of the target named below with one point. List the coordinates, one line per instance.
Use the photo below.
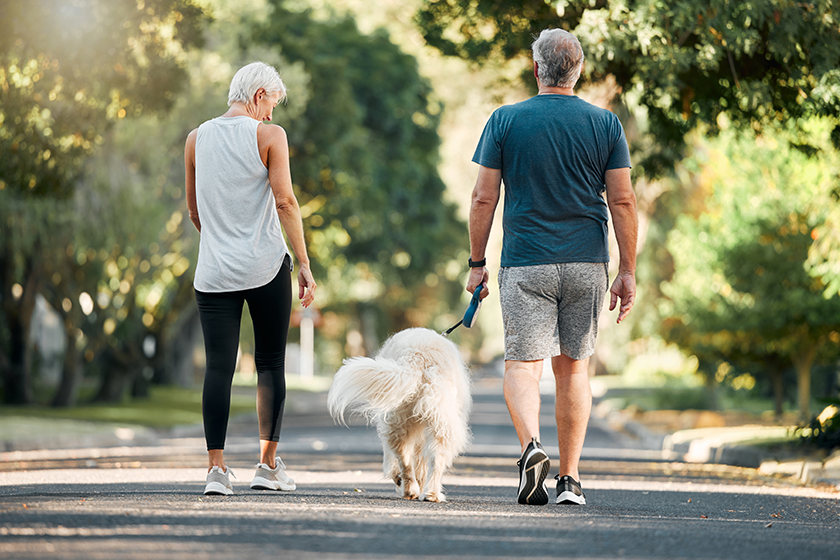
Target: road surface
(147, 502)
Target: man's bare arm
(622, 204)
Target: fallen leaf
(358, 489)
(25, 506)
(768, 525)
(689, 500)
(775, 515)
(704, 517)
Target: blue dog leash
(470, 315)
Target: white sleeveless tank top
(242, 243)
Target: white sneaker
(272, 479)
(218, 482)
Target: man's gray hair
(559, 58)
(252, 77)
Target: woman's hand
(306, 285)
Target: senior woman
(239, 193)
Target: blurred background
(732, 112)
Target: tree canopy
(364, 153)
(741, 291)
(68, 69)
(106, 241)
(683, 62)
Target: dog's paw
(434, 497)
(410, 490)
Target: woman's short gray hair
(252, 77)
(559, 58)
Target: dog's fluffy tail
(372, 387)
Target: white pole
(307, 345)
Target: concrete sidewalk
(765, 448)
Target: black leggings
(221, 314)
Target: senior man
(557, 155)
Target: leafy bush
(824, 429)
(677, 397)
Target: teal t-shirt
(553, 151)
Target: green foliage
(824, 429)
(107, 241)
(68, 72)
(69, 69)
(364, 155)
(741, 291)
(684, 62)
(678, 396)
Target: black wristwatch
(478, 264)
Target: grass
(166, 407)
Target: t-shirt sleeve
(489, 150)
(620, 155)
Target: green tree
(68, 71)
(679, 63)
(741, 291)
(364, 154)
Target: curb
(758, 447)
(807, 470)
(28, 434)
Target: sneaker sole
(260, 483)
(571, 498)
(532, 490)
(217, 489)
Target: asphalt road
(147, 502)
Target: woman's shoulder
(270, 133)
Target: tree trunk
(803, 362)
(116, 379)
(173, 359)
(710, 384)
(367, 326)
(68, 388)
(16, 378)
(18, 313)
(777, 377)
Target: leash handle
(472, 311)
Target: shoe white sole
(260, 483)
(217, 489)
(570, 498)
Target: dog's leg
(400, 442)
(390, 466)
(437, 461)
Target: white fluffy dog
(417, 393)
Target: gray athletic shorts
(551, 309)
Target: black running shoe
(533, 468)
(569, 491)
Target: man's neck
(545, 90)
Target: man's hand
(624, 288)
(477, 277)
